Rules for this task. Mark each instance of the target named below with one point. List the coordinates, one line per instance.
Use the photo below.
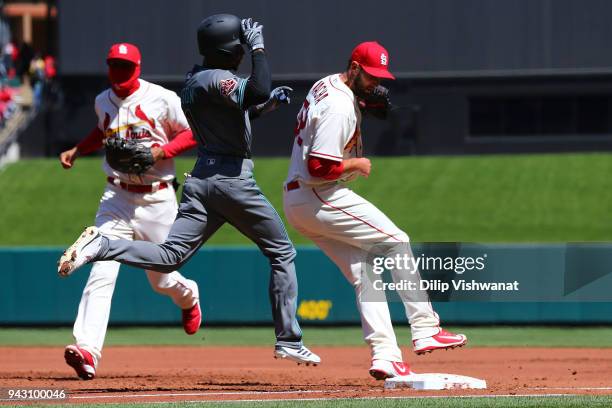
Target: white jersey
(152, 115)
(328, 127)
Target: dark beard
(359, 89)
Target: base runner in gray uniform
(221, 188)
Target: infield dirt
(137, 374)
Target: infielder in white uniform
(134, 207)
(327, 152)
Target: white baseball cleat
(443, 340)
(81, 252)
(300, 356)
(383, 369)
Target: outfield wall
(234, 280)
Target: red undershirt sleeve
(92, 142)
(325, 168)
(182, 141)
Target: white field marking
(204, 402)
(203, 394)
(572, 388)
(407, 397)
(246, 393)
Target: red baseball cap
(124, 51)
(374, 59)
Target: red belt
(292, 185)
(137, 188)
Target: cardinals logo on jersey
(141, 115)
(137, 132)
(140, 130)
(132, 131)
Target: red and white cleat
(383, 369)
(192, 318)
(442, 341)
(81, 360)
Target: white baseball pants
(345, 226)
(131, 216)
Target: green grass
(527, 336)
(521, 198)
(455, 402)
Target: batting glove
(252, 34)
(281, 95)
(278, 97)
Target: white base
(435, 381)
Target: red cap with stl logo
(373, 58)
(124, 51)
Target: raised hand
(252, 35)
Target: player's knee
(174, 258)
(159, 288)
(288, 255)
(281, 253)
(159, 282)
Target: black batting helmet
(220, 32)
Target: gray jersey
(212, 100)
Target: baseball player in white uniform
(133, 206)
(327, 152)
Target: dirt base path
(133, 374)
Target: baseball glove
(377, 103)
(128, 156)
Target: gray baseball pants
(222, 189)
